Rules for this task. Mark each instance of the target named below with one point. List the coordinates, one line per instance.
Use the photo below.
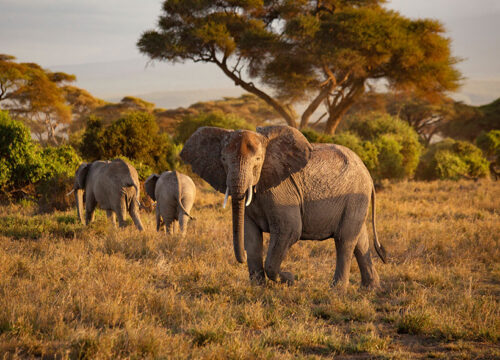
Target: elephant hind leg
(169, 225)
(159, 223)
(369, 276)
(122, 211)
(90, 204)
(111, 217)
(183, 221)
(345, 243)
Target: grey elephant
(299, 191)
(113, 185)
(175, 194)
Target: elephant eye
(258, 158)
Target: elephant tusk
(71, 192)
(226, 195)
(250, 193)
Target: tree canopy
(35, 95)
(135, 135)
(318, 52)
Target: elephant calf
(113, 185)
(174, 194)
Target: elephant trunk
(79, 204)
(238, 203)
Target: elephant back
(124, 173)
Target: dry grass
(72, 292)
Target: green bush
(489, 143)
(316, 137)
(20, 161)
(190, 124)
(374, 125)
(390, 158)
(24, 166)
(59, 166)
(135, 136)
(59, 161)
(452, 159)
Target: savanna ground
(67, 291)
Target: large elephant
(299, 192)
(113, 185)
(174, 194)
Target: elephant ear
(150, 185)
(81, 175)
(203, 151)
(287, 152)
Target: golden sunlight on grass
(68, 291)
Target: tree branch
(251, 88)
(315, 103)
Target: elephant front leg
(134, 214)
(111, 217)
(369, 276)
(278, 247)
(254, 250)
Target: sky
(96, 40)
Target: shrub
(136, 136)
(316, 137)
(20, 162)
(390, 158)
(489, 143)
(374, 125)
(451, 159)
(190, 124)
(59, 165)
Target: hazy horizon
(96, 40)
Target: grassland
(67, 291)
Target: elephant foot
(370, 279)
(287, 278)
(258, 278)
(370, 285)
(339, 286)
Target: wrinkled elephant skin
(294, 191)
(113, 185)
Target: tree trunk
(337, 112)
(314, 105)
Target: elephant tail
(378, 246)
(179, 195)
(137, 195)
(131, 182)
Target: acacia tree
(426, 117)
(321, 52)
(82, 105)
(35, 95)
